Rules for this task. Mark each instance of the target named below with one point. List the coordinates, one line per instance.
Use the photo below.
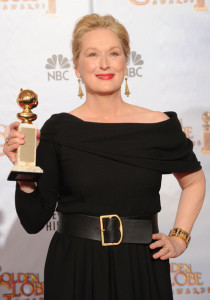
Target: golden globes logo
(49, 6)
(185, 281)
(188, 130)
(206, 132)
(199, 5)
(15, 285)
(4, 132)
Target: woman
(107, 157)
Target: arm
(193, 192)
(35, 208)
(191, 200)
(15, 139)
(35, 202)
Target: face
(102, 62)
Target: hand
(10, 148)
(170, 246)
(13, 141)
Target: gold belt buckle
(102, 230)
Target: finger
(38, 133)
(14, 126)
(157, 244)
(16, 133)
(158, 236)
(12, 148)
(15, 140)
(167, 256)
(163, 252)
(11, 152)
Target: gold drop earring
(127, 92)
(80, 94)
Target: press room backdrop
(168, 70)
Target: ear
(76, 69)
(126, 69)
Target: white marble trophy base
(23, 173)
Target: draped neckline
(161, 146)
(170, 114)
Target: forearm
(34, 209)
(190, 203)
(36, 204)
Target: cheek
(88, 66)
(120, 65)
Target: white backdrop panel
(171, 74)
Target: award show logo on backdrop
(188, 130)
(21, 285)
(59, 64)
(4, 132)
(199, 5)
(185, 281)
(134, 63)
(47, 5)
(52, 225)
(206, 132)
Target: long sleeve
(35, 209)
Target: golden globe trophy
(25, 168)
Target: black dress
(103, 168)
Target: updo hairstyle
(95, 21)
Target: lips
(106, 76)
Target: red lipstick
(106, 76)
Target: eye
(114, 53)
(92, 54)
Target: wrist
(181, 234)
(26, 186)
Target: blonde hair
(95, 21)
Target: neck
(105, 107)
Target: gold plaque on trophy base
(25, 168)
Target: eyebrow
(93, 48)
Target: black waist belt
(109, 229)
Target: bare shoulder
(148, 115)
(159, 116)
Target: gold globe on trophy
(25, 168)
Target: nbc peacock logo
(134, 65)
(58, 66)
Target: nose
(104, 62)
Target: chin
(105, 92)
